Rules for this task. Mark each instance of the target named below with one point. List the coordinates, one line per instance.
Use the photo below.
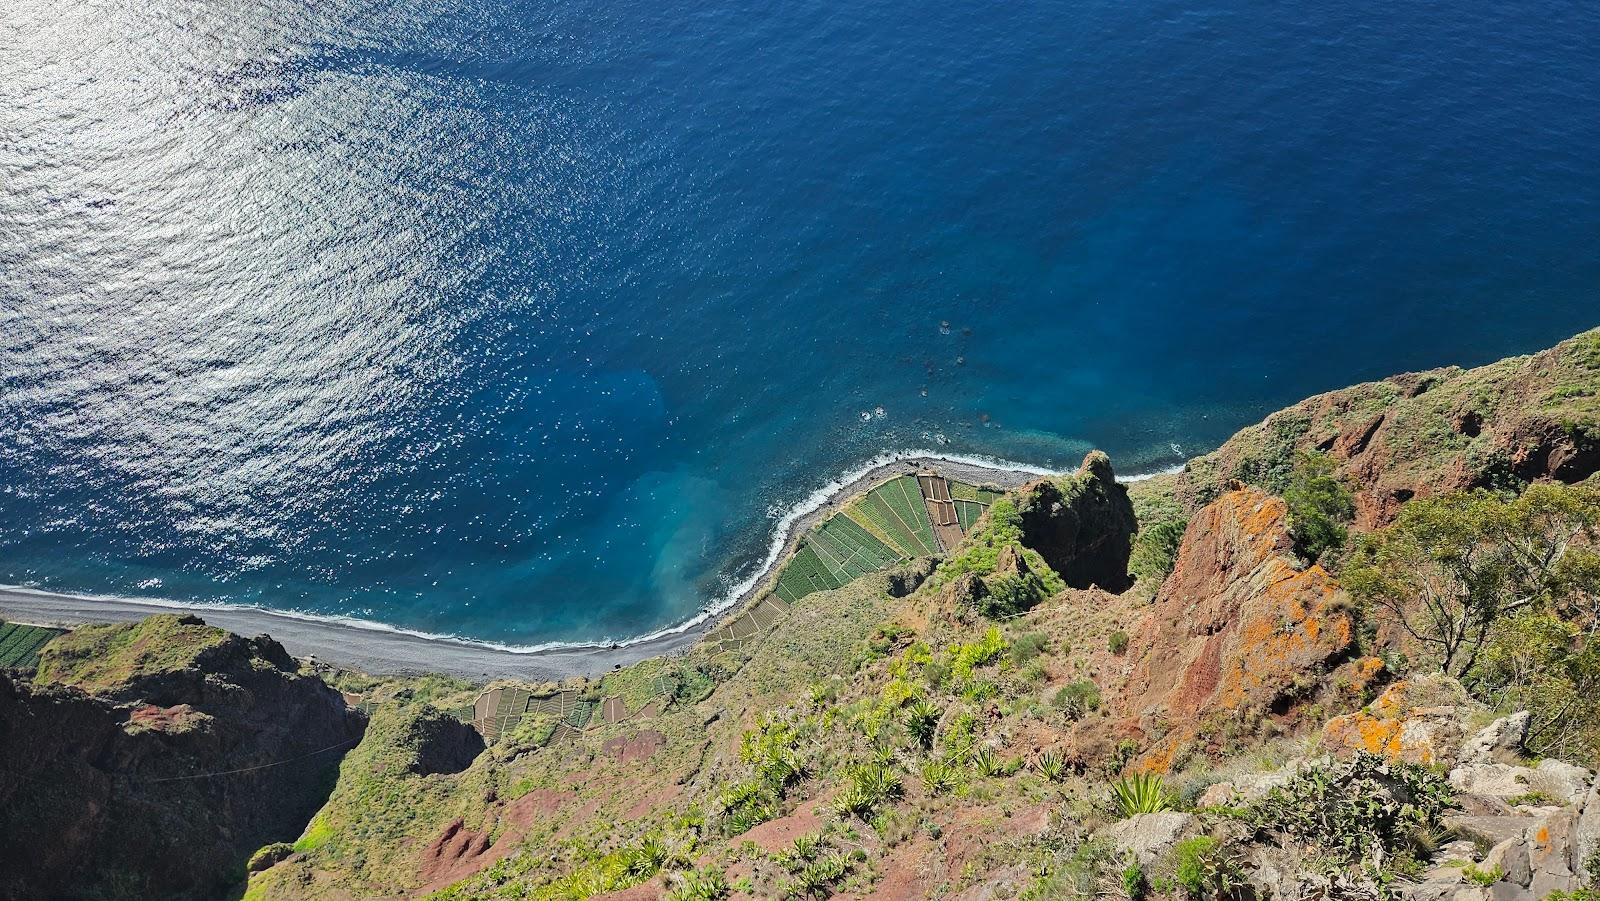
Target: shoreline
(380, 649)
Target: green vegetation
(1134, 884)
(20, 645)
(1366, 808)
(1538, 662)
(99, 657)
(1117, 643)
(1451, 567)
(1319, 505)
(803, 574)
(1484, 878)
(1077, 698)
(1162, 522)
(867, 786)
(981, 552)
(1140, 793)
(1205, 869)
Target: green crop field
(968, 512)
(19, 644)
(877, 510)
(849, 550)
(803, 574)
(904, 498)
(961, 491)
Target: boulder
(1499, 742)
(1417, 720)
(1564, 782)
(1149, 836)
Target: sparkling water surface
(525, 321)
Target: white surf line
(784, 528)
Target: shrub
(1206, 870)
(1484, 878)
(1319, 506)
(1451, 567)
(1537, 662)
(1028, 646)
(1134, 884)
(1077, 698)
(939, 777)
(1363, 808)
(1118, 642)
(1140, 793)
(964, 658)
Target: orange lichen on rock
(1418, 721)
(1239, 630)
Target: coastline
(379, 649)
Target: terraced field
(499, 710)
(19, 644)
(883, 527)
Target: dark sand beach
(379, 649)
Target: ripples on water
(516, 320)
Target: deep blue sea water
(525, 320)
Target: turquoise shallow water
(528, 321)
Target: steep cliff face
(150, 760)
(1239, 631)
(1083, 526)
(1425, 433)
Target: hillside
(1213, 684)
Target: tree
(1547, 666)
(1319, 506)
(1450, 567)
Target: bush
(922, 720)
(869, 784)
(1206, 870)
(1028, 646)
(939, 777)
(1540, 663)
(1140, 793)
(1118, 642)
(1077, 698)
(1451, 567)
(1319, 506)
(1365, 808)
(1133, 881)
(1052, 766)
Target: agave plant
(985, 762)
(1051, 765)
(939, 777)
(1140, 793)
(922, 720)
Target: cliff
(1005, 721)
(1426, 433)
(151, 760)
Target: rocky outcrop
(1238, 632)
(1083, 526)
(164, 784)
(1414, 435)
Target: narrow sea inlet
(534, 322)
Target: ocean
(529, 322)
